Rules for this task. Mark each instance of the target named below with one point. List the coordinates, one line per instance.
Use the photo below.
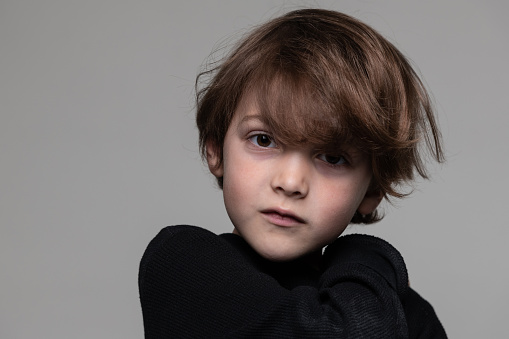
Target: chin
(279, 253)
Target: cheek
(337, 211)
(337, 205)
(240, 187)
(334, 219)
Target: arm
(421, 317)
(194, 284)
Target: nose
(292, 175)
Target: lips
(282, 217)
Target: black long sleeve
(196, 284)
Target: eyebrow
(257, 118)
(249, 117)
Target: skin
(288, 202)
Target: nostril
(290, 193)
(290, 181)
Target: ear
(213, 159)
(370, 202)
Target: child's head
(324, 81)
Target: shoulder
(171, 234)
(178, 236)
(190, 246)
(179, 242)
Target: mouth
(280, 217)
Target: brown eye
(332, 159)
(262, 140)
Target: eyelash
(340, 162)
(326, 158)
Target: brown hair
(323, 77)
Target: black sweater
(195, 284)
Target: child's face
(288, 201)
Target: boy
(311, 121)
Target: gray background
(98, 151)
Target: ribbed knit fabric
(195, 284)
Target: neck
(313, 259)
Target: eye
(332, 159)
(262, 140)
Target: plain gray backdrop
(98, 151)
